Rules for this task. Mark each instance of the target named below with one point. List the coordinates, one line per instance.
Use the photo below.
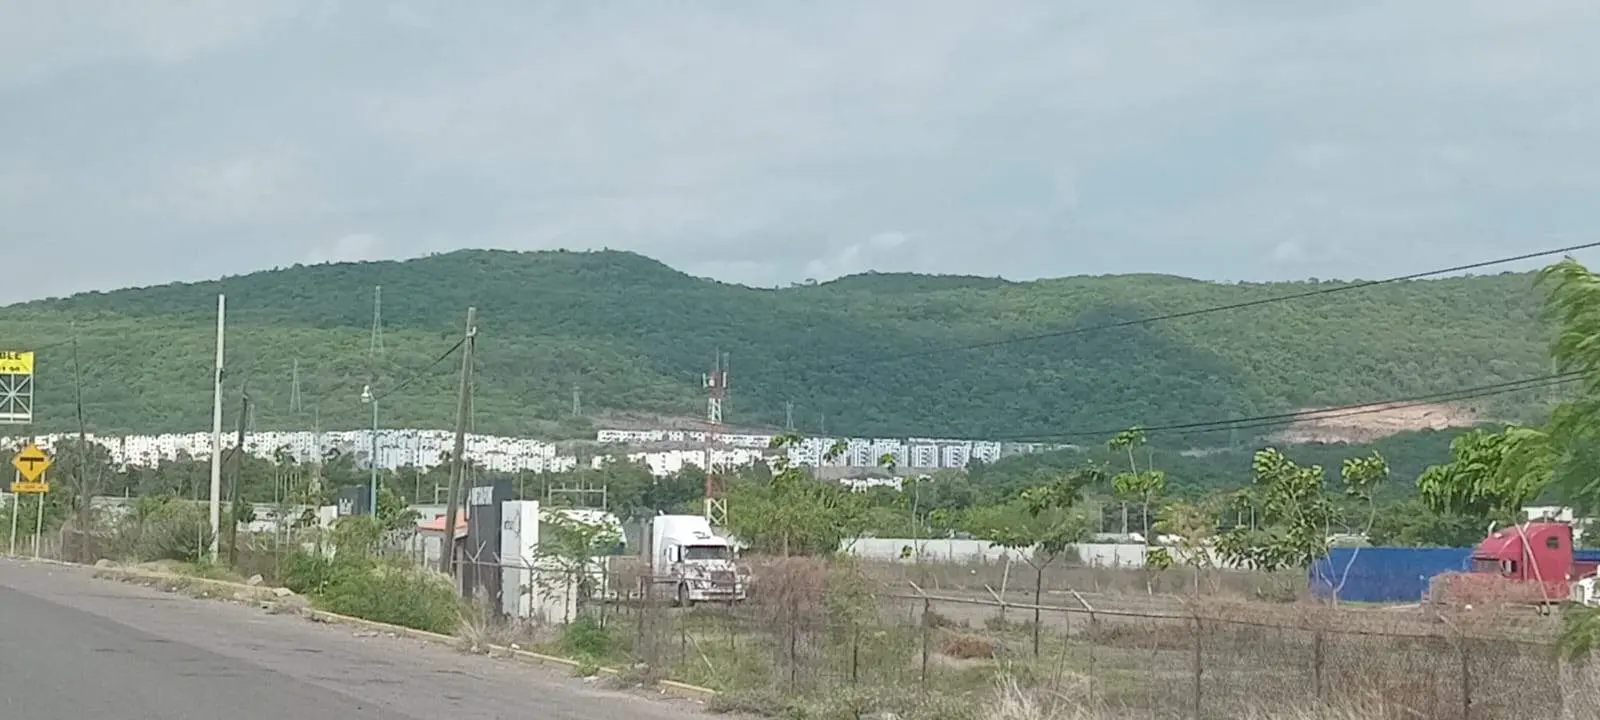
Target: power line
(1552, 382)
(1254, 421)
(1225, 308)
(424, 371)
(419, 374)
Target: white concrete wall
(1110, 555)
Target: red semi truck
(1534, 562)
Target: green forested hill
(636, 335)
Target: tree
(1571, 441)
(1413, 523)
(1046, 524)
(792, 513)
(570, 554)
(1129, 440)
(1489, 474)
(1573, 432)
(1295, 516)
(1195, 526)
(1144, 487)
(1361, 477)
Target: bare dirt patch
(1376, 421)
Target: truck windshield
(705, 552)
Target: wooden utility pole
(447, 545)
(86, 489)
(233, 481)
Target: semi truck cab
(1539, 553)
(695, 562)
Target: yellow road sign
(31, 462)
(30, 487)
(14, 362)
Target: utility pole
(372, 451)
(315, 489)
(216, 432)
(447, 545)
(577, 401)
(86, 490)
(369, 395)
(233, 480)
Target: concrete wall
(1108, 555)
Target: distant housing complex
(428, 448)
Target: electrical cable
(403, 384)
(1255, 421)
(1225, 308)
(424, 371)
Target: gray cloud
(767, 142)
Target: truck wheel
(683, 597)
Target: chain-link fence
(819, 633)
(811, 633)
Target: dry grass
(482, 628)
(1240, 658)
(1125, 585)
(1012, 701)
(966, 646)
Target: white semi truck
(692, 562)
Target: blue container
(1384, 574)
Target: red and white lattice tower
(716, 383)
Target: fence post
(1199, 668)
(1036, 624)
(1316, 662)
(855, 652)
(641, 646)
(927, 624)
(733, 635)
(794, 643)
(1466, 679)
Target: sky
(769, 141)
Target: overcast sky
(769, 141)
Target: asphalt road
(76, 648)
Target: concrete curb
(120, 573)
(267, 594)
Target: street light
(372, 458)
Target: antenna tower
(297, 403)
(716, 382)
(577, 401)
(376, 347)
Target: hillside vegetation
(861, 352)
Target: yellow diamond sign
(31, 462)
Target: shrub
(175, 530)
(585, 637)
(306, 573)
(399, 596)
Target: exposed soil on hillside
(1372, 422)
